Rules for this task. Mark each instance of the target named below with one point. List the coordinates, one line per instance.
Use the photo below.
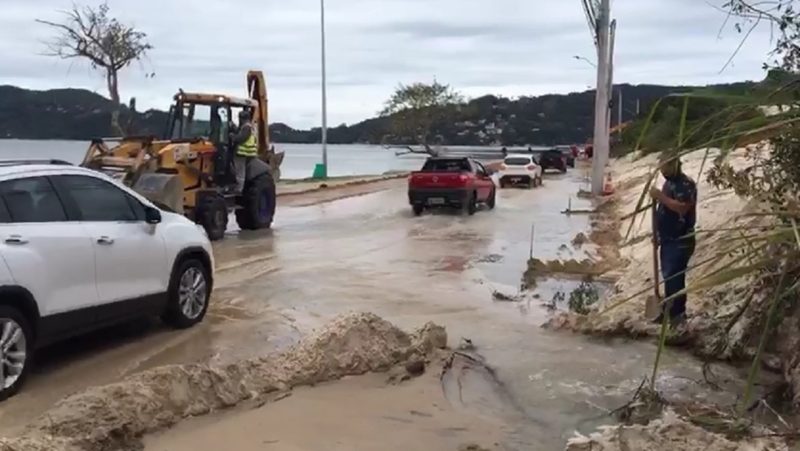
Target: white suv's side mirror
(152, 215)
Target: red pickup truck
(451, 182)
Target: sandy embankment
(723, 320)
(116, 416)
(716, 209)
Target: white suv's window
(518, 161)
(31, 199)
(98, 200)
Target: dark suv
(568, 152)
(553, 159)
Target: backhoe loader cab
(191, 170)
(211, 119)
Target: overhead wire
(589, 10)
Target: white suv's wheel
(189, 292)
(16, 345)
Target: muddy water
(360, 413)
(369, 253)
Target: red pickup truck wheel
(492, 199)
(471, 204)
(418, 209)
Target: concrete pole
(619, 112)
(611, 39)
(600, 150)
(638, 107)
(324, 93)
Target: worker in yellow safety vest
(246, 144)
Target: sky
(502, 47)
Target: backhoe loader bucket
(166, 189)
(274, 160)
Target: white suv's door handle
(105, 240)
(16, 239)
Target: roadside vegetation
(583, 298)
(717, 116)
(759, 262)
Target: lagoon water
(343, 160)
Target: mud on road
(367, 252)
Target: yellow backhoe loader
(190, 168)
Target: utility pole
(619, 112)
(600, 150)
(638, 107)
(611, 39)
(324, 95)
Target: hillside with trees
(68, 114)
(713, 116)
(543, 120)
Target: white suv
(79, 251)
(520, 169)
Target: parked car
(80, 252)
(569, 153)
(553, 159)
(520, 169)
(451, 182)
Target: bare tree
(91, 33)
(783, 16)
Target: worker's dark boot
(677, 320)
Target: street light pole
(612, 36)
(587, 60)
(324, 95)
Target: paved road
(369, 253)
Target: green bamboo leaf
(711, 259)
(653, 174)
(756, 364)
(682, 127)
(726, 275)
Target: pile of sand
(116, 416)
(668, 433)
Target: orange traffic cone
(608, 186)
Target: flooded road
(369, 253)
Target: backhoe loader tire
(212, 214)
(258, 204)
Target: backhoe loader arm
(257, 90)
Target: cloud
(508, 47)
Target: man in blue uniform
(675, 221)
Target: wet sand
(358, 413)
(321, 193)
